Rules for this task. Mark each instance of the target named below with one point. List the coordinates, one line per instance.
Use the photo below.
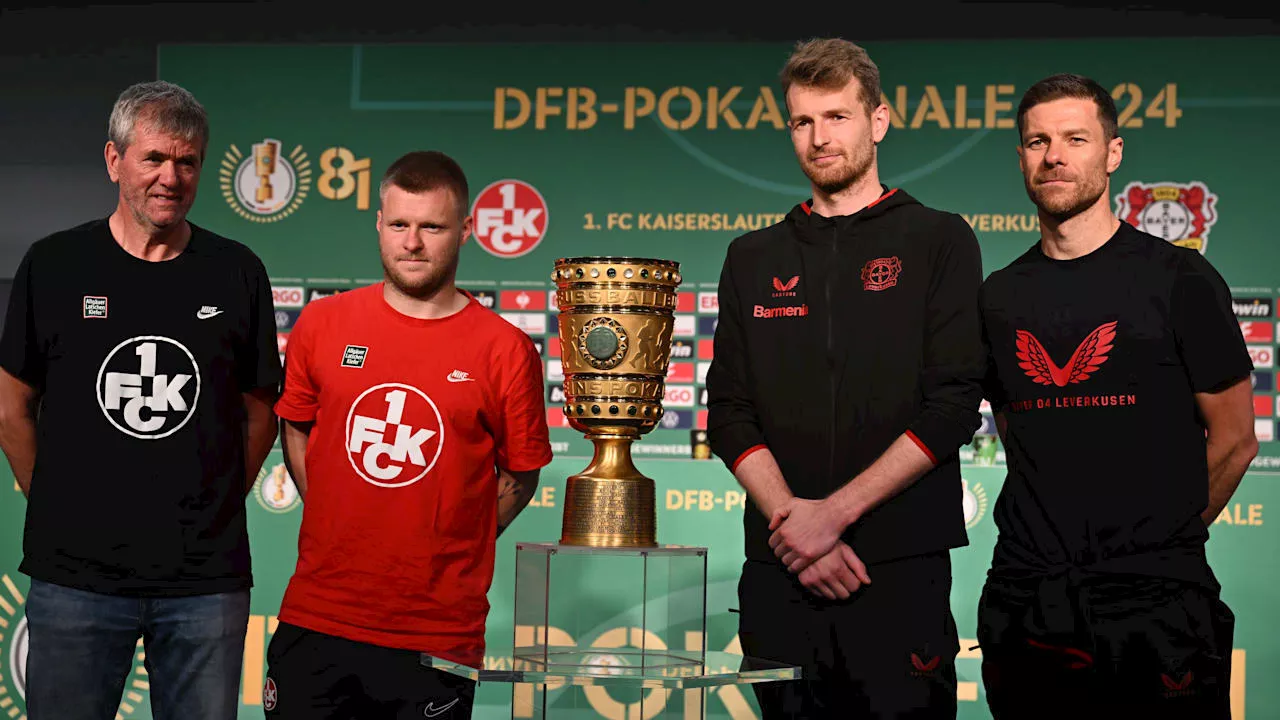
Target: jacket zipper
(831, 361)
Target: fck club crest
(881, 273)
(149, 386)
(1181, 213)
(394, 435)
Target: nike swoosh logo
(202, 315)
(432, 711)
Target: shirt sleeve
(22, 346)
(523, 442)
(733, 427)
(260, 361)
(952, 372)
(1205, 328)
(300, 399)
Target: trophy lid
(617, 259)
(615, 268)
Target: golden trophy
(616, 319)
(264, 163)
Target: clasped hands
(806, 537)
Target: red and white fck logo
(510, 218)
(394, 435)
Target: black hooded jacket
(835, 337)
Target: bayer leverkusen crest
(1181, 213)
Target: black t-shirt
(139, 479)
(1095, 363)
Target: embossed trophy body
(616, 320)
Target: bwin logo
(394, 435)
(148, 386)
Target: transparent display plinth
(650, 598)
(613, 632)
(578, 686)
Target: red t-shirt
(412, 417)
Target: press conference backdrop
(671, 151)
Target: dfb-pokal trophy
(616, 320)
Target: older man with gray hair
(138, 368)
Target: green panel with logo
(670, 151)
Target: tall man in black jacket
(847, 371)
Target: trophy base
(610, 504)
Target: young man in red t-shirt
(414, 428)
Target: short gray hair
(167, 107)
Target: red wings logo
(1172, 684)
(923, 666)
(785, 289)
(1087, 358)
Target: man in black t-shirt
(1120, 382)
(138, 368)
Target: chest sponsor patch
(95, 307)
(353, 356)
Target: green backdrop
(671, 151)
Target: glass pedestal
(653, 597)
(613, 632)
(631, 684)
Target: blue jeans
(83, 644)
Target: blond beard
(841, 177)
(427, 286)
